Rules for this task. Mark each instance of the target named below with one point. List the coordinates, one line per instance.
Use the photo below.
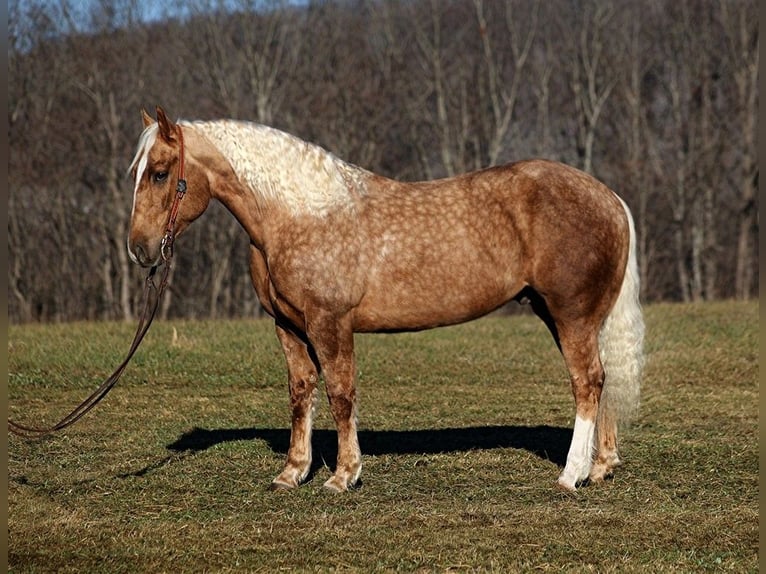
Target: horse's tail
(621, 342)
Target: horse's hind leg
(607, 458)
(580, 350)
(303, 377)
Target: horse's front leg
(303, 377)
(333, 341)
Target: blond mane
(302, 177)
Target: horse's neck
(283, 172)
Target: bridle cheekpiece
(168, 239)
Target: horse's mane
(303, 177)
(145, 142)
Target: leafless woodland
(658, 98)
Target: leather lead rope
(147, 316)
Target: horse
(336, 249)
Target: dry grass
(464, 431)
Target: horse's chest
(314, 269)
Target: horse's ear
(167, 128)
(147, 119)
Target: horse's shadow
(547, 442)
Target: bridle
(168, 239)
(147, 316)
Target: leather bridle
(151, 304)
(168, 239)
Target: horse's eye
(160, 176)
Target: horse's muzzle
(141, 255)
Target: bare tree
(442, 101)
(505, 79)
(636, 183)
(685, 144)
(109, 135)
(592, 80)
(740, 25)
(241, 50)
(543, 61)
(16, 250)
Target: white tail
(621, 343)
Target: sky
(82, 11)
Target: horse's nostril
(139, 254)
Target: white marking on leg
(580, 457)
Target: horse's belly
(450, 267)
(423, 305)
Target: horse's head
(155, 172)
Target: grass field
(463, 430)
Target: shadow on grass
(547, 442)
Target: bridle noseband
(147, 316)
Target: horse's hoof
(566, 486)
(603, 468)
(285, 481)
(278, 485)
(336, 484)
(290, 477)
(599, 473)
(341, 483)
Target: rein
(147, 316)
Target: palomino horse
(335, 249)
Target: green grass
(464, 431)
